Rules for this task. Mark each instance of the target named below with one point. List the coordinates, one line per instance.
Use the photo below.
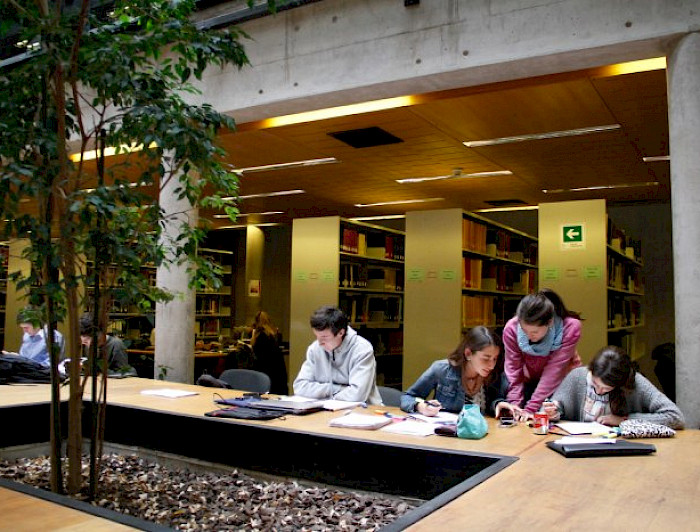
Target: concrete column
(254, 260)
(684, 129)
(174, 356)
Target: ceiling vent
(506, 203)
(367, 137)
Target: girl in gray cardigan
(609, 391)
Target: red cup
(541, 423)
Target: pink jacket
(550, 370)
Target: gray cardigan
(645, 402)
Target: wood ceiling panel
(505, 113)
(432, 135)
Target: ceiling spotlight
(456, 174)
(540, 136)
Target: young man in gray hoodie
(340, 364)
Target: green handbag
(471, 424)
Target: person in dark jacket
(267, 354)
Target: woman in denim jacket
(472, 373)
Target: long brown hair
(476, 339)
(614, 367)
(262, 325)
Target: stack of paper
(168, 392)
(354, 420)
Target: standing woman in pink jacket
(540, 350)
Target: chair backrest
(390, 396)
(247, 380)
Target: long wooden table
(541, 490)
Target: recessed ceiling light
(282, 166)
(267, 194)
(656, 158)
(600, 187)
(540, 136)
(457, 174)
(398, 202)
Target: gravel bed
(186, 500)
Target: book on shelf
(474, 236)
(471, 272)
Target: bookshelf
(358, 267)
(4, 262)
(625, 289)
(212, 307)
(462, 270)
(600, 277)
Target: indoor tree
(95, 78)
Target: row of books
(624, 312)
(473, 236)
(491, 311)
(371, 244)
(211, 305)
(369, 309)
(484, 275)
(620, 241)
(624, 276)
(356, 275)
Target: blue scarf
(551, 341)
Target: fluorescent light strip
(282, 166)
(600, 187)
(656, 158)
(109, 151)
(540, 136)
(267, 194)
(399, 202)
(385, 217)
(243, 215)
(343, 110)
(509, 209)
(454, 176)
(242, 226)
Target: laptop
(298, 408)
(619, 448)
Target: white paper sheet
(168, 392)
(583, 427)
(411, 427)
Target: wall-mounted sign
(573, 236)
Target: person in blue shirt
(34, 345)
(472, 373)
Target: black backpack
(19, 369)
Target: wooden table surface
(20, 512)
(542, 490)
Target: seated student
(340, 364)
(609, 391)
(113, 347)
(472, 373)
(34, 338)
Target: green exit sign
(573, 236)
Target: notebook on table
(616, 448)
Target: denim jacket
(446, 381)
